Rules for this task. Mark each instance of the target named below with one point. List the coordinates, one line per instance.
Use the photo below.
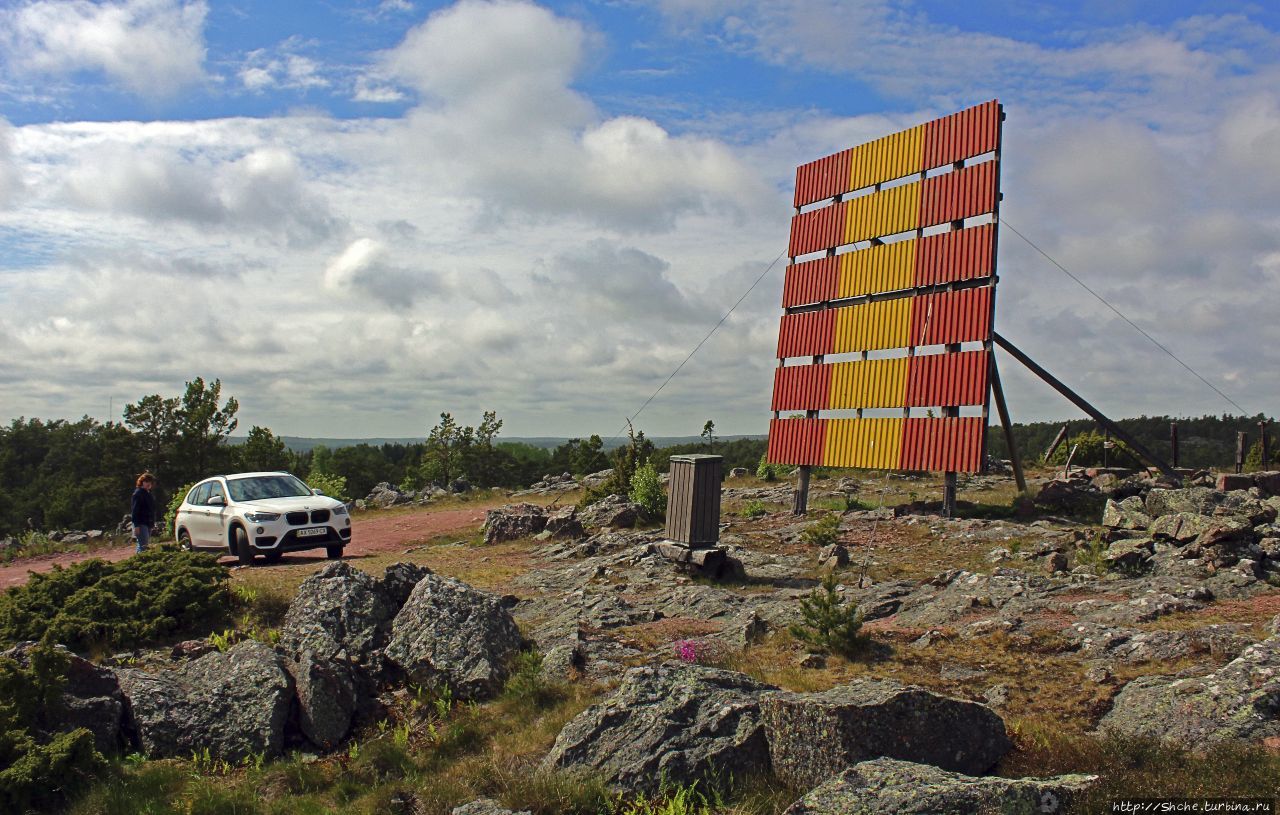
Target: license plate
(312, 532)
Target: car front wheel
(334, 552)
(243, 552)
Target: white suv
(261, 513)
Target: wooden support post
(1173, 443)
(800, 501)
(1242, 444)
(997, 390)
(949, 494)
(1093, 413)
(1262, 442)
(1057, 442)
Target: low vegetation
(829, 623)
(96, 605)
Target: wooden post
(800, 502)
(1242, 443)
(997, 390)
(1173, 443)
(1057, 442)
(1262, 442)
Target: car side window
(202, 494)
(216, 492)
(193, 497)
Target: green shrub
(334, 486)
(754, 509)
(646, 490)
(116, 605)
(39, 771)
(828, 623)
(1089, 452)
(765, 470)
(822, 532)
(172, 511)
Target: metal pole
(997, 390)
(1084, 405)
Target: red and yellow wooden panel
(931, 319)
(949, 257)
(936, 380)
(953, 138)
(938, 200)
(946, 444)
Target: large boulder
(614, 511)
(1199, 500)
(235, 704)
(450, 634)
(328, 698)
(385, 495)
(1180, 527)
(886, 786)
(512, 522)
(90, 697)
(813, 735)
(1241, 700)
(1129, 513)
(674, 721)
(564, 523)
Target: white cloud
(152, 48)
(10, 179)
(282, 67)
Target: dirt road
(372, 533)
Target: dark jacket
(144, 508)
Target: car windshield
(266, 486)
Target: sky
(358, 215)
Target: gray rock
(1129, 513)
(1181, 527)
(327, 699)
(234, 703)
(675, 721)
(1196, 500)
(385, 495)
(564, 523)
(614, 511)
(1128, 554)
(834, 556)
(485, 806)
(1241, 701)
(450, 634)
(886, 786)
(339, 614)
(513, 522)
(90, 698)
(398, 581)
(812, 735)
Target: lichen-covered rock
(614, 511)
(564, 523)
(1241, 700)
(1180, 527)
(339, 613)
(886, 786)
(90, 698)
(812, 735)
(1128, 553)
(327, 698)
(450, 634)
(1196, 500)
(674, 721)
(512, 522)
(234, 703)
(1129, 513)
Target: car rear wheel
(184, 540)
(334, 551)
(243, 552)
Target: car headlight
(340, 509)
(261, 517)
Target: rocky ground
(1108, 605)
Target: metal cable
(750, 288)
(1005, 222)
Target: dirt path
(372, 533)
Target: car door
(216, 515)
(196, 517)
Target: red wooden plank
(965, 254)
(962, 135)
(959, 194)
(807, 334)
(814, 281)
(801, 387)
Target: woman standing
(144, 510)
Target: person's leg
(143, 535)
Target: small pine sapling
(828, 623)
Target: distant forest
(63, 474)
